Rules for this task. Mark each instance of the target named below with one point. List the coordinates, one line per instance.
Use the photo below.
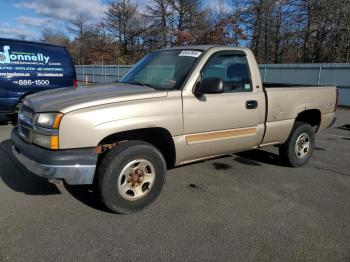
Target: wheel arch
(311, 117)
(157, 136)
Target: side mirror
(211, 85)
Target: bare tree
(54, 35)
(188, 21)
(81, 29)
(123, 22)
(278, 31)
(159, 13)
(79, 26)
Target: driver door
(216, 124)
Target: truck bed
(286, 101)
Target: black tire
(4, 119)
(111, 168)
(287, 151)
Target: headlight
(48, 120)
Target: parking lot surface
(243, 207)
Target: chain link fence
(101, 73)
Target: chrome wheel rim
(302, 146)
(136, 179)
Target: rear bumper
(75, 166)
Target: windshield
(163, 69)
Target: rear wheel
(131, 176)
(300, 145)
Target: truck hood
(69, 99)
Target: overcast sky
(26, 17)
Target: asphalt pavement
(243, 207)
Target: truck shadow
(87, 195)
(258, 157)
(18, 178)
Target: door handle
(251, 104)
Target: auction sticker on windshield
(191, 53)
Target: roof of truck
(200, 47)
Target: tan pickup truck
(175, 106)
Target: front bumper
(75, 166)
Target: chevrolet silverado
(175, 106)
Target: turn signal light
(54, 142)
(57, 121)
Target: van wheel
(131, 176)
(300, 145)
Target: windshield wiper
(142, 84)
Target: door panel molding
(220, 135)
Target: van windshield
(166, 69)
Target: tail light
(336, 101)
(75, 83)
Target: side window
(232, 69)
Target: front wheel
(131, 176)
(300, 145)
